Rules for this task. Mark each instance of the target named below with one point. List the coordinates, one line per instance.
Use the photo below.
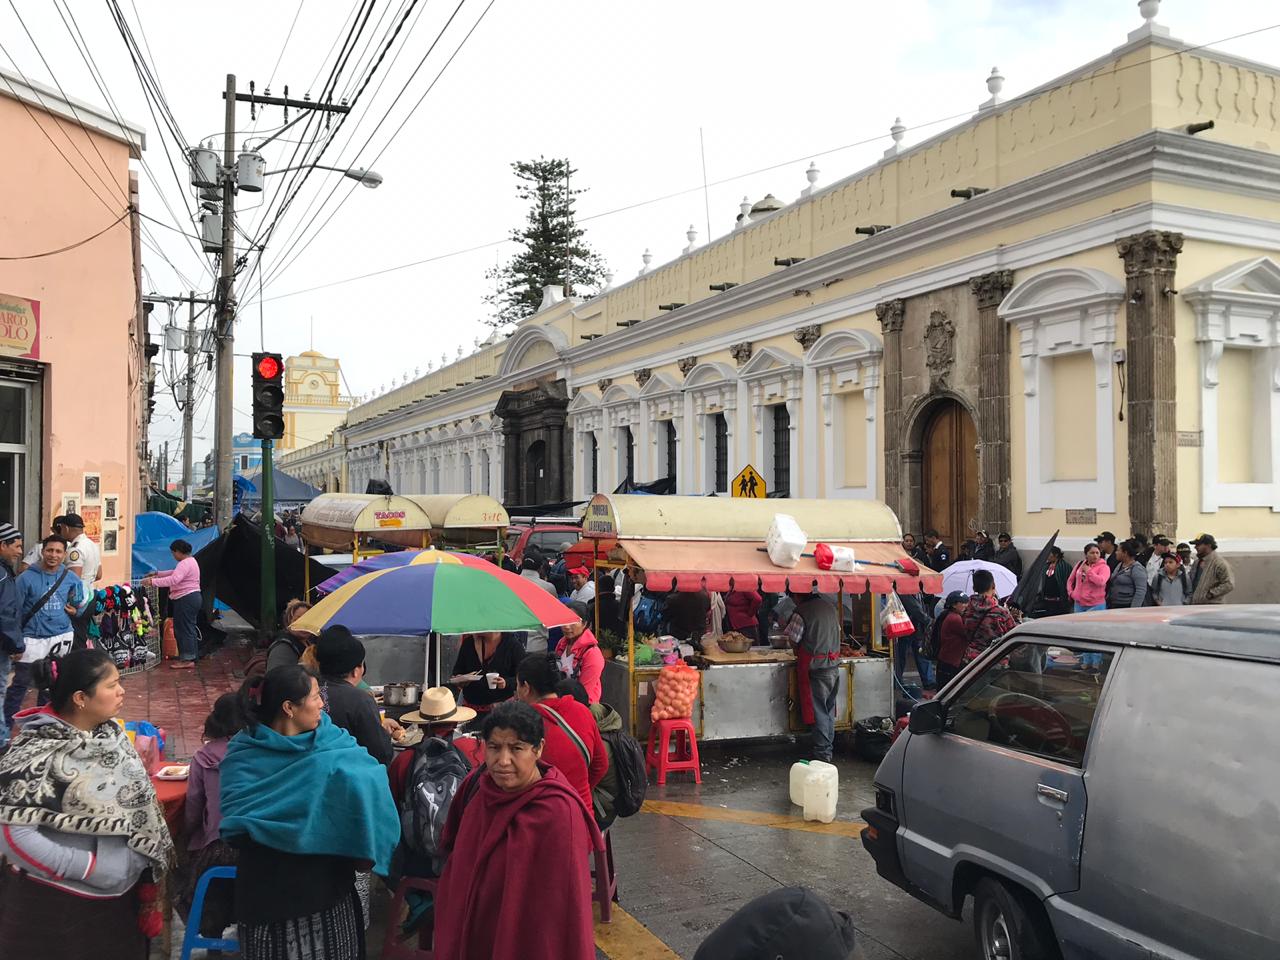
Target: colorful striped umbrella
(419, 599)
(401, 558)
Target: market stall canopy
(335, 520)
(152, 534)
(630, 517)
(721, 566)
(285, 489)
(463, 519)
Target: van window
(1039, 699)
(548, 541)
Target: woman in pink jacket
(1087, 585)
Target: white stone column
(809, 396)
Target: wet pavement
(681, 876)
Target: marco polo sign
(19, 327)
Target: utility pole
(189, 411)
(164, 477)
(224, 330)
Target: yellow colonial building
(1061, 314)
(314, 405)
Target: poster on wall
(19, 327)
(70, 503)
(111, 508)
(110, 540)
(92, 488)
(92, 514)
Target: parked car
(1102, 785)
(546, 537)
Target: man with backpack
(620, 793)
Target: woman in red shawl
(516, 829)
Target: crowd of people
(953, 630)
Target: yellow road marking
(778, 821)
(626, 938)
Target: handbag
(26, 617)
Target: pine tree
(554, 252)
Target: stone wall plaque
(1190, 438)
(1085, 518)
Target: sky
(632, 94)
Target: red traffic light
(268, 368)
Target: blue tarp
(152, 534)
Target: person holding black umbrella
(1052, 599)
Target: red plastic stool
(408, 948)
(665, 756)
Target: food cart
(467, 522)
(696, 543)
(360, 522)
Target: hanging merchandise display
(124, 627)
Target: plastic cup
(492, 680)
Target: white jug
(821, 790)
(799, 770)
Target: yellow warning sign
(749, 484)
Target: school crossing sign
(748, 484)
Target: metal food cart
(468, 522)
(353, 521)
(716, 544)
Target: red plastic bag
(822, 556)
(674, 692)
(894, 621)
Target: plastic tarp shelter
(152, 534)
(285, 489)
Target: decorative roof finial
(608, 281)
(897, 131)
(811, 175)
(646, 258)
(995, 83)
(744, 213)
(1149, 9)
(692, 235)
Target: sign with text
(19, 327)
(599, 522)
(748, 484)
(1077, 518)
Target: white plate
(174, 771)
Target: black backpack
(933, 641)
(438, 771)
(633, 777)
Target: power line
(396, 132)
(72, 246)
(695, 189)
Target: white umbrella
(959, 576)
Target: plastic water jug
(821, 790)
(799, 770)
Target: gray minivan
(1104, 785)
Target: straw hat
(438, 706)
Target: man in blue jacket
(50, 594)
(10, 611)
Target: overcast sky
(621, 89)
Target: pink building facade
(73, 370)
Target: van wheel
(1005, 927)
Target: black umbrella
(1028, 589)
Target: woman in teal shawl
(307, 807)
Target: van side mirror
(928, 717)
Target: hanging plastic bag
(894, 621)
(840, 559)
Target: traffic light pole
(267, 621)
(188, 410)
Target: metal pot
(401, 694)
(779, 641)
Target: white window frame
(621, 405)
(712, 388)
(1239, 308)
(773, 378)
(586, 417)
(1060, 312)
(661, 399)
(840, 363)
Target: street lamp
(367, 178)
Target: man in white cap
(11, 645)
(84, 561)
